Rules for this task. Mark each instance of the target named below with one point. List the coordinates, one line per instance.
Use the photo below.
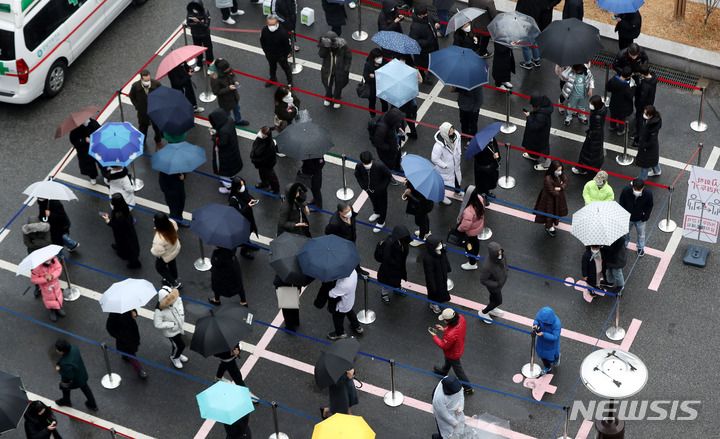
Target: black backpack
(379, 251)
(372, 125)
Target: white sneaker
(197, 68)
(254, 397)
(502, 87)
(468, 266)
(507, 85)
(416, 233)
(373, 217)
(183, 358)
(446, 201)
(417, 242)
(176, 362)
(93, 181)
(279, 154)
(223, 190)
(326, 103)
(378, 227)
(497, 312)
(229, 21)
(197, 109)
(352, 5)
(223, 379)
(487, 317)
(653, 174)
(238, 12)
(336, 105)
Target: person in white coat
(448, 404)
(340, 304)
(170, 318)
(119, 183)
(447, 155)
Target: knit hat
(447, 314)
(451, 385)
(601, 177)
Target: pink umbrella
(176, 57)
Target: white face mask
(145, 83)
(500, 256)
(273, 28)
(347, 215)
(646, 117)
(592, 107)
(636, 193)
(242, 189)
(288, 99)
(378, 60)
(594, 251)
(558, 173)
(438, 250)
(367, 166)
(467, 29)
(260, 135)
(86, 123)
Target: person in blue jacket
(547, 327)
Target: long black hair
(120, 207)
(476, 203)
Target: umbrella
(126, 295)
(116, 144)
(620, 6)
(283, 257)
(50, 190)
(37, 257)
(224, 402)
(343, 426)
(170, 110)
(305, 140)
(569, 42)
(600, 223)
(481, 139)
(13, 401)
(177, 57)
(459, 67)
(335, 361)
(462, 18)
(396, 82)
(328, 258)
(221, 329)
(176, 158)
(512, 28)
(396, 42)
(75, 120)
(424, 177)
(222, 226)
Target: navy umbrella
(328, 258)
(170, 110)
(459, 67)
(481, 139)
(221, 226)
(283, 257)
(396, 42)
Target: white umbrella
(462, 18)
(126, 295)
(50, 190)
(600, 223)
(38, 257)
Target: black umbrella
(221, 226)
(170, 110)
(335, 361)
(283, 258)
(13, 401)
(221, 329)
(569, 42)
(305, 140)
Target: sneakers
(336, 105)
(223, 190)
(469, 391)
(229, 21)
(604, 283)
(197, 109)
(507, 85)
(497, 312)
(536, 63)
(416, 243)
(540, 167)
(502, 87)
(544, 371)
(446, 201)
(279, 154)
(238, 12)
(223, 379)
(183, 358)
(557, 362)
(468, 266)
(93, 181)
(352, 5)
(486, 55)
(526, 65)
(176, 362)
(486, 317)
(561, 110)
(551, 231)
(568, 119)
(385, 298)
(378, 227)
(654, 174)
(620, 132)
(177, 285)
(334, 336)
(74, 247)
(435, 308)
(527, 156)
(577, 171)
(197, 68)
(373, 217)
(242, 123)
(326, 103)
(583, 119)
(641, 252)
(358, 330)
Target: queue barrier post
(507, 182)
(365, 315)
(565, 423)
(531, 370)
(278, 434)
(71, 293)
(485, 234)
(120, 105)
(393, 398)
(296, 68)
(112, 433)
(202, 263)
(359, 35)
(616, 333)
(700, 148)
(607, 78)
(699, 125)
(137, 183)
(344, 193)
(207, 95)
(667, 225)
(507, 127)
(111, 380)
(624, 159)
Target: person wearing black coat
(122, 223)
(410, 110)
(373, 62)
(614, 259)
(592, 153)
(573, 9)
(503, 65)
(632, 56)
(226, 276)
(198, 20)
(442, 9)
(591, 265)
(393, 266)
(469, 103)
(385, 140)
(537, 130)
(536, 10)
(436, 267)
(486, 167)
(181, 79)
(648, 156)
(335, 15)
(53, 213)
(389, 19)
(263, 157)
(465, 38)
(628, 28)
(424, 31)
(637, 200)
(286, 12)
(239, 429)
(312, 170)
(546, 10)
(293, 216)
(79, 137)
(335, 70)
(644, 94)
(40, 422)
(621, 101)
(374, 178)
(419, 207)
(343, 223)
(243, 202)
(276, 46)
(124, 329)
(173, 188)
(226, 159)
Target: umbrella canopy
(600, 223)
(177, 158)
(170, 110)
(221, 329)
(462, 18)
(620, 6)
(37, 257)
(459, 67)
(481, 139)
(343, 426)
(396, 42)
(283, 257)
(224, 402)
(328, 258)
(305, 140)
(221, 226)
(424, 177)
(396, 82)
(13, 401)
(126, 295)
(569, 42)
(177, 57)
(116, 144)
(75, 120)
(335, 361)
(50, 190)
(513, 28)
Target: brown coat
(550, 200)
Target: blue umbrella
(176, 158)
(459, 67)
(116, 144)
(328, 258)
(224, 402)
(221, 226)
(170, 110)
(481, 139)
(424, 177)
(396, 83)
(620, 6)
(396, 42)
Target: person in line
(373, 62)
(169, 317)
(53, 213)
(340, 304)
(240, 199)
(342, 222)
(293, 217)
(639, 202)
(493, 274)
(388, 136)
(469, 104)
(448, 403)
(276, 46)
(621, 99)
(139, 97)
(73, 374)
(552, 199)
(536, 137)
(648, 156)
(36, 235)
(452, 343)
(225, 87)
(122, 223)
(393, 267)
(343, 395)
(598, 189)
(335, 71)
(547, 326)
(592, 268)
(263, 157)
(628, 28)
(173, 189)
(335, 15)
(644, 95)
(503, 66)
(118, 179)
(436, 267)
(40, 422)
(311, 173)
(228, 8)
(410, 110)
(442, 10)
(486, 167)
(614, 259)
(181, 79)
(47, 277)
(228, 363)
(198, 20)
(471, 221)
(239, 429)
(226, 276)
(226, 159)
(573, 9)
(480, 24)
(424, 30)
(80, 139)
(592, 153)
(124, 329)
(447, 156)
(389, 18)
(287, 107)
(286, 12)
(632, 56)
(374, 178)
(419, 207)
(465, 38)
(579, 85)
(531, 54)
(165, 247)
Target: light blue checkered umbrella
(224, 402)
(600, 223)
(396, 42)
(396, 83)
(116, 144)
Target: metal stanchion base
(359, 35)
(506, 182)
(366, 316)
(614, 333)
(610, 429)
(71, 294)
(206, 97)
(450, 284)
(109, 383)
(139, 184)
(508, 127)
(345, 194)
(280, 435)
(667, 226)
(202, 264)
(624, 159)
(485, 234)
(533, 372)
(393, 399)
(698, 126)
(296, 68)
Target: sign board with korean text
(702, 206)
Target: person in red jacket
(452, 343)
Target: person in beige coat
(165, 247)
(170, 318)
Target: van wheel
(55, 80)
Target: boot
(60, 312)
(53, 316)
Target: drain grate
(660, 72)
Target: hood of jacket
(166, 297)
(218, 118)
(291, 190)
(196, 4)
(400, 232)
(443, 135)
(394, 117)
(388, 6)
(35, 227)
(538, 100)
(431, 244)
(327, 39)
(546, 316)
(493, 250)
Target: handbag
(362, 90)
(456, 237)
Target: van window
(7, 45)
(47, 20)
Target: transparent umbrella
(513, 28)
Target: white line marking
(429, 101)
(674, 241)
(170, 41)
(713, 158)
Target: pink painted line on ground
(205, 429)
(361, 199)
(630, 334)
(585, 429)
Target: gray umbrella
(513, 28)
(283, 258)
(13, 401)
(462, 18)
(305, 140)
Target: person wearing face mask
(80, 139)
(628, 28)
(53, 213)
(579, 85)
(621, 99)
(451, 339)
(335, 71)
(471, 221)
(293, 217)
(614, 259)
(436, 267)
(311, 174)
(464, 37)
(342, 223)
(644, 96)
(226, 88)
(263, 157)
(536, 137)
(648, 156)
(447, 155)
(226, 278)
(139, 97)
(592, 153)
(547, 326)
(276, 46)
(287, 107)
(198, 20)
(598, 189)
(493, 274)
(181, 79)
(373, 62)
(419, 207)
(637, 200)
(389, 18)
(387, 138)
(592, 267)
(393, 268)
(469, 104)
(424, 30)
(243, 202)
(374, 178)
(480, 24)
(551, 199)
(632, 56)
(226, 158)
(47, 277)
(340, 305)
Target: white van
(39, 39)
